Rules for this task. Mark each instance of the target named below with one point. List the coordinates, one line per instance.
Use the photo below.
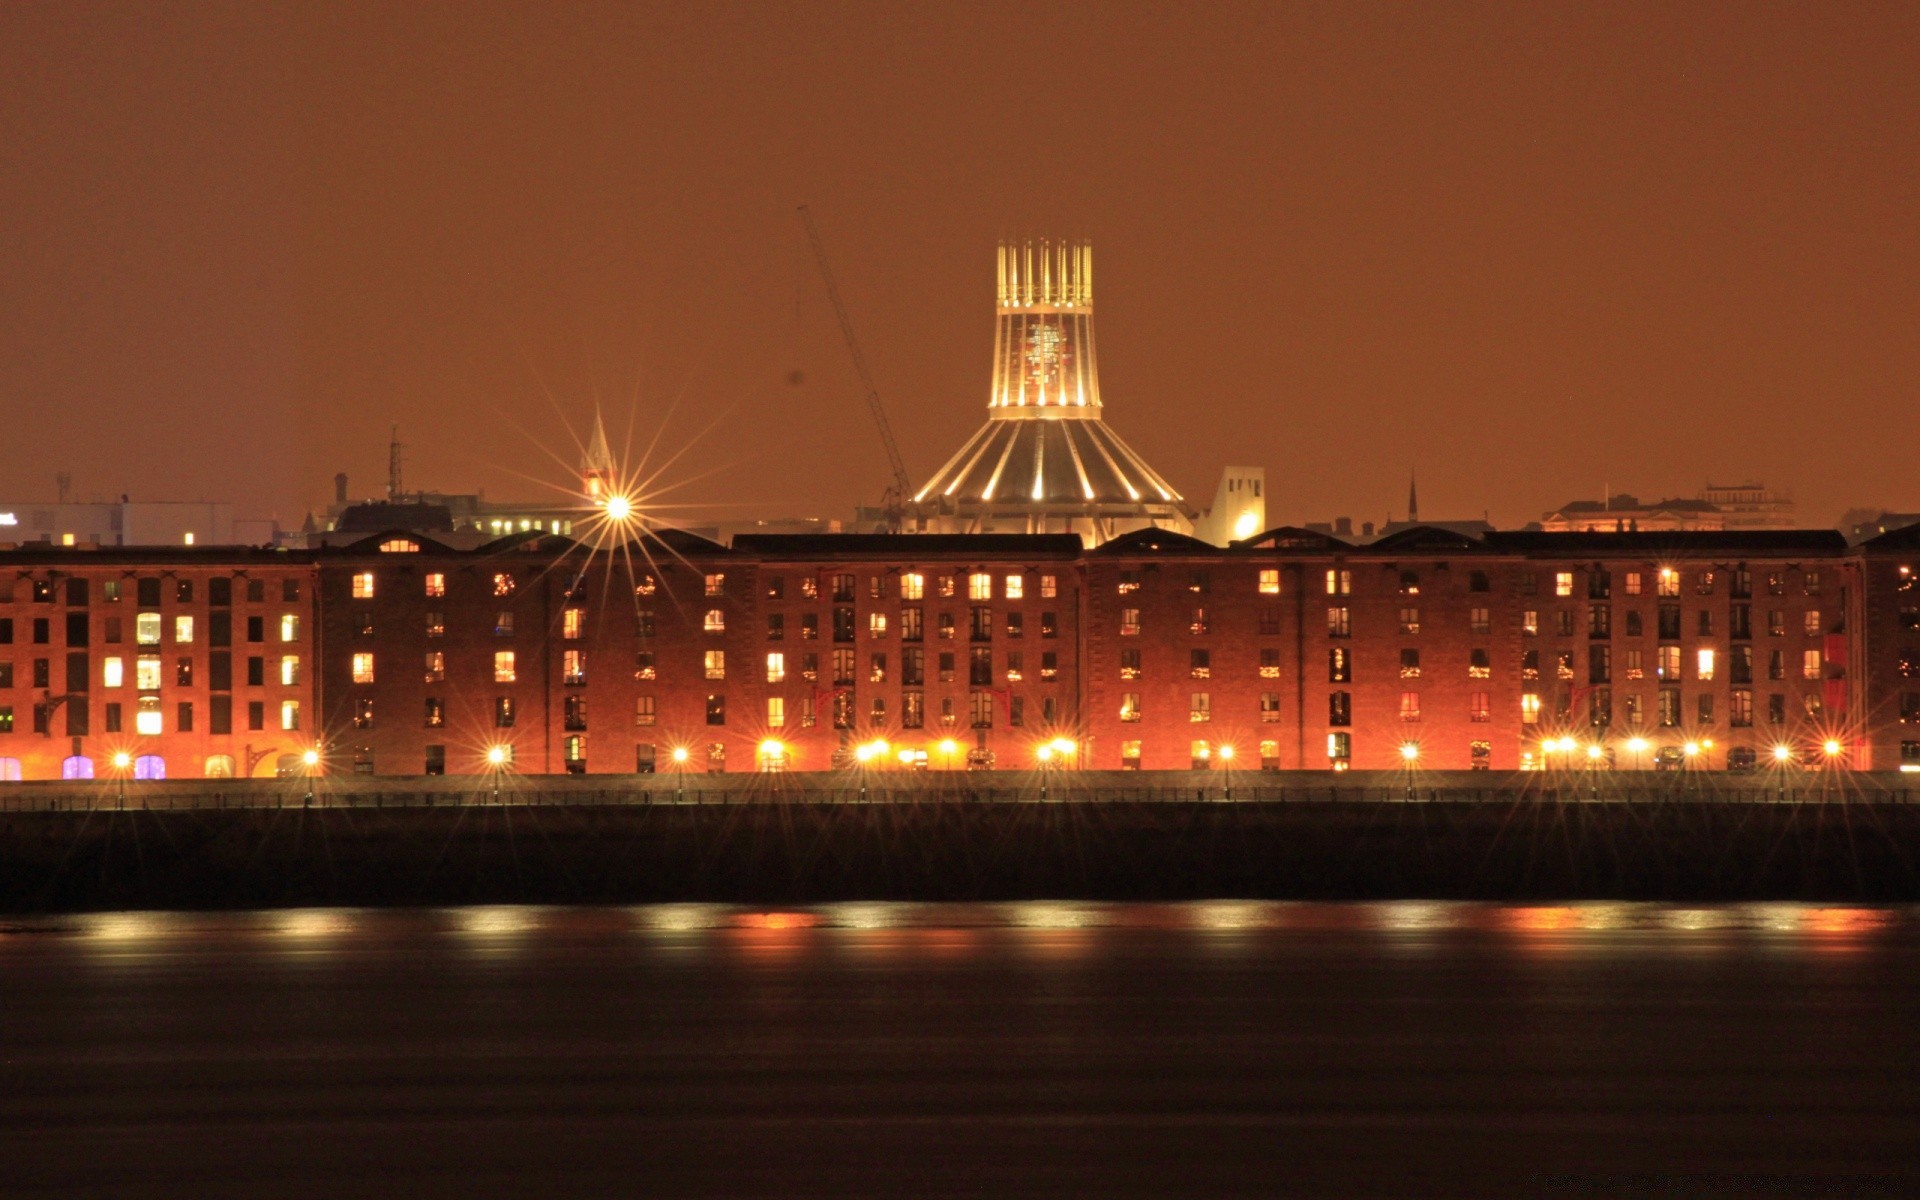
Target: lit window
(1563, 583)
(289, 627)
(776, 667)
(1633, 583)
(1667, 583)
(979, 586)
(776, 712)
(503, 666)
(146, 672)
(363, 668)
(1409, 706)
(363, 585)
(876, 625)
(436, 666)
(1479, 708)
(1705, 663)
(146, 721)
(399, 546)
(1270, 582)
(1049, 587)
(643, 711)
(1410, 620)
(716, 585)
(289, 670)
(1200, 708)
(913, 586)
(1130, 706)
(436, 584)
(573, 669)
(1667, 665)
(1016, 587)
(1340, 622)
(1810, 664)
(1812, 623)
(1530, 708)
(146, 629)
(183, 630)
(1129, 622)
(572, 622)
(1339, 583)
(504, 584)
(289, 715)
(112, 672)
(716, 664)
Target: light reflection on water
(1040, 923)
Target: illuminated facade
(1291, 650)
(1046, 460)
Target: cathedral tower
(1045, 461)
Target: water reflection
(1047, 923)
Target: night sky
(1525, 249)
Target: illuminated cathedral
(1046, 460)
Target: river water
(1056, 1049)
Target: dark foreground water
(943, 1050)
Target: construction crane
(894, 502)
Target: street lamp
(679, 757)
(1410, 754)
(121, 761)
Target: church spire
(596, 466)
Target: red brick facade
(148, 662)
(1292, 651)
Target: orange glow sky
(1528, 248)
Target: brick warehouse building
(146, 661)
(1292, 650)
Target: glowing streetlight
(497, 756)
(1691, 749)
(619, 508)
(1409, 752)
(1637, 745)
(1832, 747)
(122, 760)
(1225, 753)
(1782, 753)
(773, 755)
(1595, 753)
(680, 755)
(1044, 754)
(310, 758)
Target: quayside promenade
(1777, 786)
(804, 839)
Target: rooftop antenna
(394, 488)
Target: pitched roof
(1655, 543)
(909, 545)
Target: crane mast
(895, 501)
